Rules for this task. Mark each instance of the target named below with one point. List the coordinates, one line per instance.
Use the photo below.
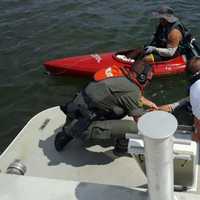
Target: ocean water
(33, 31)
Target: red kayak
(87, 65)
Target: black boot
(121, 147)
(61, 140)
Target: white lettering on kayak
(97, 57)
(168, 68)
(108, 72)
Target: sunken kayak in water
(87, 65)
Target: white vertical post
(157, 128)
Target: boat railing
(157, 143)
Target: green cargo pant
(109, 129)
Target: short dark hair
(193, 65)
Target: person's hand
(166, 108)
(149, 49)
(153, 107)
(148, 103)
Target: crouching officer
(97, 110)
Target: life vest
(108, 72)
(140, 79)
(162, 32)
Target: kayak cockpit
(175, 65)
(129, 57)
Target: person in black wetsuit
(171, 39)
(168, 38)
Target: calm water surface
(32, 31)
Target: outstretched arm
(171, 107)
(148, 103)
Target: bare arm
(174, 38)
(171, 107)
(148, 103)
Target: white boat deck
(92, 168)
(35, 147)
(14, 187)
